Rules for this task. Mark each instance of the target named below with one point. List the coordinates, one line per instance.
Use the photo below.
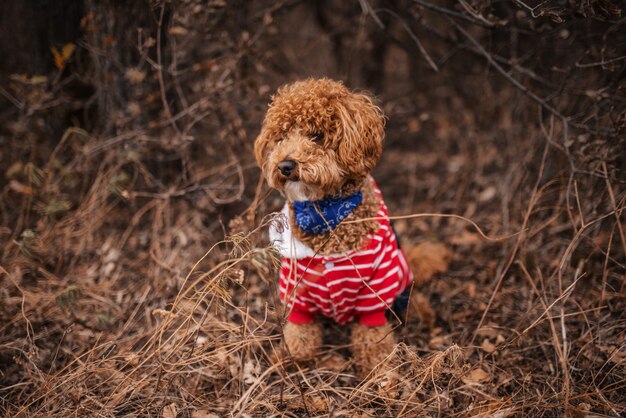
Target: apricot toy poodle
(340, 258)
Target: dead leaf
(426, 259)
(108, 41)
(471, 290)
(86, 23)
(420, 305)
(476, 376)
(414, 126)
(61, 57)
(18, 187)
(163, 313)
(135, 76)
(169, 411)
(178, 31)
(38, 79)
(202, 413)
(132, 359)
(250, 372)
(317, 403)
(134, 109)
(401, 226)
(488, 346)
(487, 194)
(492, 409)
(456, 163)
(489, 330)
(438, 341)
(149, 43)
(360, 413)
(313, 402)
(465, 238)
(15, 169)
(504, 413)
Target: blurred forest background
(135, 278)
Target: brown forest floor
(134, 279)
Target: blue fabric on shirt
(323, 215)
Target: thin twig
(449, 12)
(159, 68)
(617, 210)
(600, 63)
(436, 215)
(412, 35)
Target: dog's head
(319, 139)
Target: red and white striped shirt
(362, 283)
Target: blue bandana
(322, 216)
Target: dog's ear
(361, 130)
(269, 130)
(263, 143)
(260, 147)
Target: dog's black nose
(286, 167)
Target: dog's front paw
(303, 340)
(371, 346)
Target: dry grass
(135, 276)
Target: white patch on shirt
(281, 238)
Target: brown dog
(318, 145)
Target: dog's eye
(318, 136)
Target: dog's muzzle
(287, 167)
